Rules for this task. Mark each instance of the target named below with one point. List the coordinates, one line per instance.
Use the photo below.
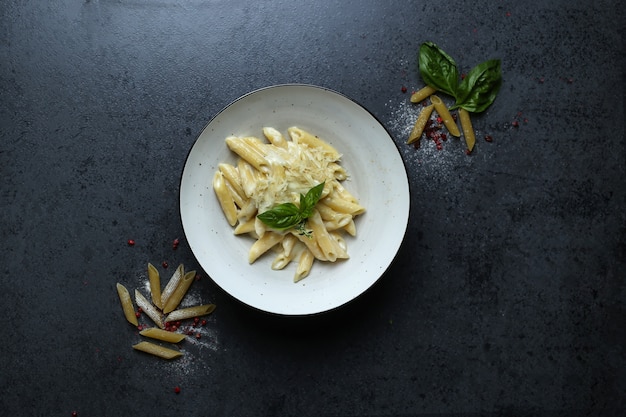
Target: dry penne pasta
(190, 312)
(422, 94)
(179, 292)
(164, 335)
(420, 124)
(468, 130)
(281, 171)
(154, 279)
(127, 304)
(150, 310)
(175, 279)
(446, 117)
(157, 350)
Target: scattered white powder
(427, 162)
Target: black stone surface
(507, 297)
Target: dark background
(506, 298)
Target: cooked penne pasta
(275, 137)
(422, 94)
(190, 312)
(341, 205)
(420, 124)
(269, 174)
(326, 244)
(248, 177)
(179, 292)
(155, 285)
(300, 136)
(127, 304)
(263, 244)
(149, 309)
(305, 262)
(468, 130)
(157, 350)
(225, 198)
(231, 174)
(246, 227)
(350, 228)
(446, 117)
(163, 335)
(247, 152)
(171, 285)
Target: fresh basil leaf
(283, 216)
(480, 87)
(438, 69)
(308, 202)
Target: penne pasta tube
(305, 262)
(343, 206)
(163, 335)
(339, 172)
(288, 244)
(245, 227)
(149, 309)
(127, 304)
(420, 124)
(239, 199)
(232, 176)
(157, 350)
(155, 285)
(247, 212)
(468, 130)
(175, 279)
(247, 176)
(344, 193)
(249, 153)
(301, 136)
(311, 245)
(337, 223)
(341, 244)
(446, 117)
(350, 228)
(326, 244)
(179, 292)
(259, 227)
(275, 137)
(190, 312)
(263, 244)
(225, 198)
(422, 94)
(281, 261)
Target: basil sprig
(287, 215)
(474, 93)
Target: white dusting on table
(403, 115)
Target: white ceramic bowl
(377, 178)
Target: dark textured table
(507, 296)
